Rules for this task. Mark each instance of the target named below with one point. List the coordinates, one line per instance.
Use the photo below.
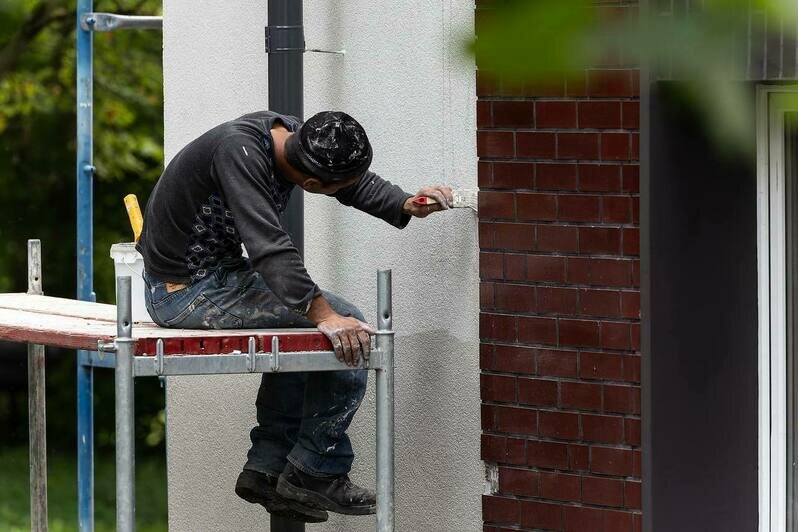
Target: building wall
(560, 300)
(415, 97)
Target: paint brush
(464, 198)
(134, 214)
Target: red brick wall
(560, 303)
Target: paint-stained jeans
(302, 417)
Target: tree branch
(41, 16)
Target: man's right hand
(350, 338)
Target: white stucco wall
(404, 80)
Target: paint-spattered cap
(330, 145)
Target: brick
(493, 448)
(610, 83)
(555, 114)
(516, 420)
(599, 303)
(637, 463)
(559, 487)
(636, 210)
(631, 241)
(487, 417)
(580, 519)
(604, 240)
(545, 88)
(533, 330)
(577, 146)
(490, 265)
(631, 178)
(600, 366)
(631, 368)
(556, 363)
(578, 333)
(486, 298)
(539, 392)
(579, 208)
(545, 268)
(556, 176)
(512, 175)
(503, 449)
(514, 236)
(615, 335)
(495, 144)
(600, 114)
(485, 356)
(547, 454)
(514, 359)
(580, 395)
(602, 429)
(598, 272)
(578, 457)
(556, 300)
(634, 331)
(603, 491)
(486, 234)
(497, 388)
(561, 238)
(560, 425)
(484, 174)
(519, 482)
(484, 114)
(500, 510)
(515, 298)
(636, 273)
(540, 515)
(611, 461)
(497, 327)
(615, 147)
(514, 267)
(622, 399)
(536, 144)
(614, 209)
(631, 115)
(513, 114)
(630, 305)
(635, 153)
(535, 207)
(632, 495)
(631, 429)
(496, 204)
(599, 177)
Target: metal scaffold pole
(85, 265)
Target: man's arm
(237, 166)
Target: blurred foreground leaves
(541, 40)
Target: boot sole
(286, 508)
(317, 500)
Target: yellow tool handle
(134, 213)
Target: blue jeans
(302, 417)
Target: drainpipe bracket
(285, 39)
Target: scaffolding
(105, 336)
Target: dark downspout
(285, 44)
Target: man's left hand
(442, 196)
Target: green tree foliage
(541, 40)
(38, 176)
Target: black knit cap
(331, 146)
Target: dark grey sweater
(223, 189)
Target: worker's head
(331, 148)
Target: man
(229, 187)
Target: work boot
(261, 488)
(334, 493)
